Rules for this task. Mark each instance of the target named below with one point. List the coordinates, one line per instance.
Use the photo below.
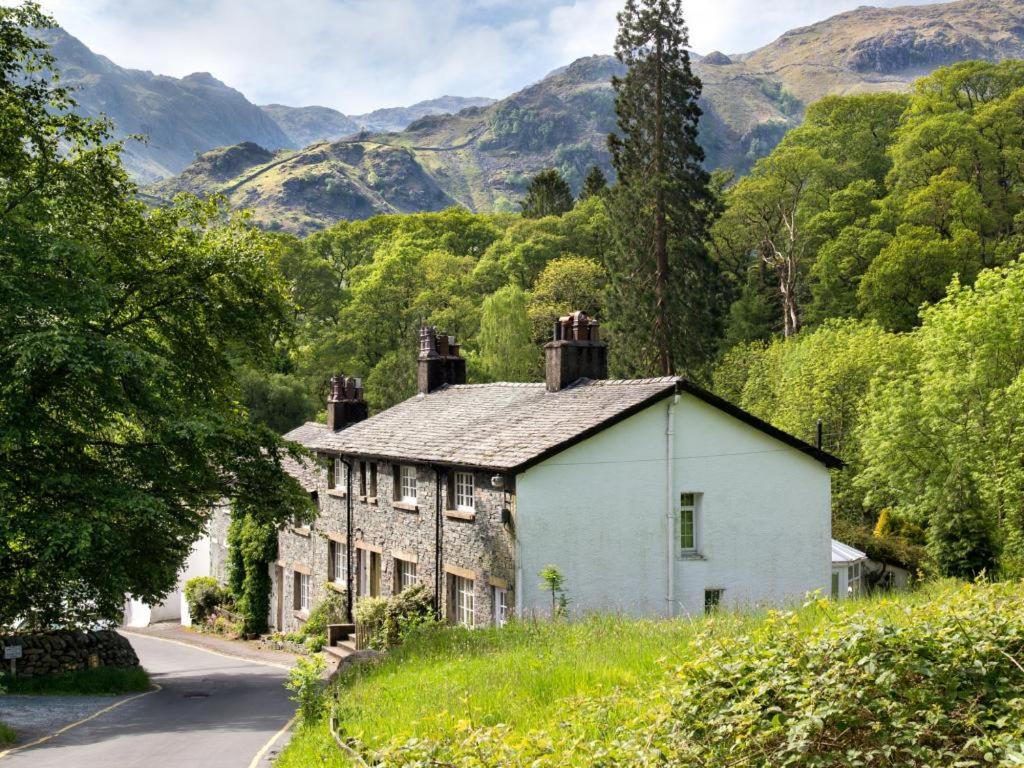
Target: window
(499, 598)
(462, 493)
(339, 475)
(461, 600)
(372, 490)
(336, 562)
(835, 584)
(688, 522)
(407, 484)
(405, 574)
(853, 574)
(301, 592)
(712, 599)
(362, 478)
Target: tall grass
(532, 676)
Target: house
(652, 496)
(848, 571)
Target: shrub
(7, 735)
(928, 679)
(304, 681)
(330, 610)
(389, 620)
(204, 596)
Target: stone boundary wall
(55, 652)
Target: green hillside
(482, 157)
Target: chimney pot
(440, 363)
(345, 404)
(576, 352)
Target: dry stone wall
(55, 652)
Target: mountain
(182, 117)
(306, 125)
(483, 157)
(399, 118)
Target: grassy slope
(529, 676)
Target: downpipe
(670, 509)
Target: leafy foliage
(547, 195)
(390, 619)
(204, 595)
(304, 681)
(122, 328)
(252, 547)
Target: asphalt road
(211, 712)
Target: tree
(566, 285)
(942, 438)
(507, 349)
(595, 183)
(547, 195)
(665, 294)
(119, 417)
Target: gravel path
(35, 716)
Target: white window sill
(304, 530)
(336, 586)
(690, 556)
(460, 514)
(336, 493)
(406, 506)
(301, 615)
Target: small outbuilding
(848, 570)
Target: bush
(304, 681)
(7, 735)
(204, 596)
(388, 620)
(931, 678)
(330, 610)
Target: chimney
(440, 362)
(345, 404)
(576, 352)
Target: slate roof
(505, 427)
(304, 471)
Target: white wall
(174, 607)
(598, 512)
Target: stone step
(339, 652)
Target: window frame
(463, 597)
(407, 472)
(405, 575)
(362, 478)
(337, 560)
(458, 491)
(371, 489)
(689, 523)
(499, 604)
(301, 587)
(339, 474)
(716, 595)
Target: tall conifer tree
(664, 300)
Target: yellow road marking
(68, 727)
(266, 747)
(205, 649)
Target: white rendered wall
(598, 512)
(174, 607)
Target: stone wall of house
(480, 547)
(55, 652)
(220, 519)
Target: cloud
(357, 55)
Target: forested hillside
(482, 158)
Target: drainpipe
(438, 542)
(348, 540)
(670, 507)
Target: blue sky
(357, 55)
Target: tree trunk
(660, 228)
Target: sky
(358, 55)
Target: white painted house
(652, 496)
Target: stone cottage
(652, 496)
